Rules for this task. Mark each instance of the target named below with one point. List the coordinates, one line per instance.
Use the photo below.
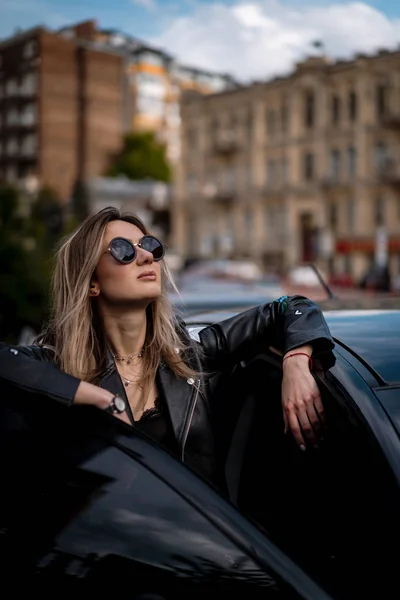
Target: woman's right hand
(87, 393)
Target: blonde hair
(75, 331)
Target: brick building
(61, 105)
(299, 168)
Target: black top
(156, 423)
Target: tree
(26, 257)
(142, 157)
(23, 291)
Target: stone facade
(296, 169)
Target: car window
(109, 507)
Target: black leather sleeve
(286, 323)
(27, 368)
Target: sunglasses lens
(122, 250)
(153, 245)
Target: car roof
(372, 334)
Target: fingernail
(302, 448)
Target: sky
(249, 39)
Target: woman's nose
(143, 257)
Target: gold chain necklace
(129, 358)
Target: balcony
(389, 172)
(391, 120)
(224, 196)
(274, 190)
(331, 182)
(226, 142)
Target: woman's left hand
(303, 412)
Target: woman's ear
(94, 290)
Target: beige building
(300, 168)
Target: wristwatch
(117, 405)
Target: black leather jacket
(286, 323)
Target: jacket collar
(176, 391)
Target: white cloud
(257, 39)
(148, 4)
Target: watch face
(119, 404)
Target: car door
(334, 508)
(89, 504)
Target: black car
(89, 504)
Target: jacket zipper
(189, 421)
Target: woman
(114, 342)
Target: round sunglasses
(124, 251)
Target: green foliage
(27, 240)
(142, 157)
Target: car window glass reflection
(134, 514)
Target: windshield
(227, 285)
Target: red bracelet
(310, 362)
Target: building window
(29, 84)
(285, 116)
(335, 165)
(309, 112)
(379, 212)
(268, 220)
(151, 106)
(12, 147)
(28, 115)
(11, 174)
(29, 145)
(191, 140)
(380, 156)
(271, 173)
(381, 100)
(29, 50)
(230, 178)
(352, 106)
(248, 220)
(271, 123)
(191, 183)
(248, 176)
(11, 87)
(151, 58)
(309, 166)
(351, 214)
(284, 170)
(352, 161)
(250, 126)
(12, 117)
(333, 216)
(335, 109)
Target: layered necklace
(128, 360)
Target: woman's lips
(149, 275)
